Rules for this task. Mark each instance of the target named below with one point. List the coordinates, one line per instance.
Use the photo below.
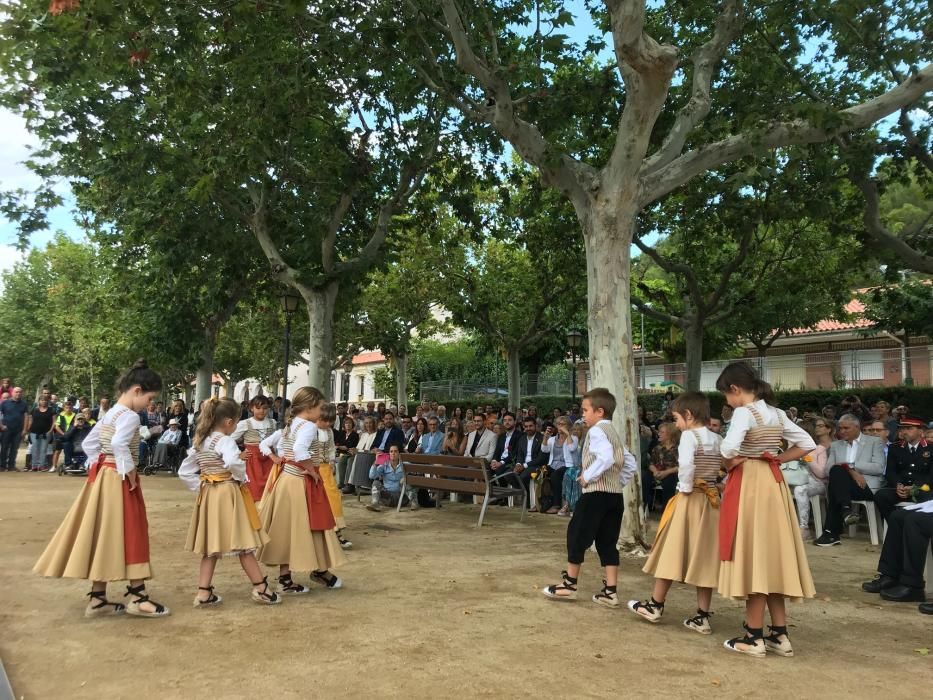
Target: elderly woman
(562, 448)
(364, 444)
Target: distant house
(830, 354)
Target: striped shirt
(698, 457)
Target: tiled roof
(854, 308)
(368, 358)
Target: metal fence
(843, 369)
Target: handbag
(795, 473)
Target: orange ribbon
(248, 501)
(699, 487)
(729, 513)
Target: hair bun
(140, 364)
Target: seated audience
(482, 441)
(664, 457)
(903, 558)
(561, 447)
(822, 433)
(414, 439)
(909, 465)
(168, 440)
(856, 466)
(454, 439)
(432, 441)
(389, 483)
(572, 489)
(73, 442)
(503, 458)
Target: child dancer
(252, 431)
(295, 511)
(105, 536)
(686, 547)
(607, 467)
(763, 559)
(225, 520)
(325, 447)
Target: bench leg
(401, 499)
(872, 512)
(816, 514)
(482, 512)
(522, 518)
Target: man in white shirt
(856, 467)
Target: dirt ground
(432, 607)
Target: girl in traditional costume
(225, 520)
(762, 553)
(686, 547)
(252, 431)
(295, 510)
(105, 536)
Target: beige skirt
(687, 549)
(220, 523)
(284, 517)
(333, 494)
(89, 543)
(768, 554)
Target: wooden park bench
(452, 474)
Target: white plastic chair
(816, 513)
(874, 517)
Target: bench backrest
(445, 473)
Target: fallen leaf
(716, 682)
(467, 612)
(599, 656)
(923, 651)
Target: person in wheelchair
(166, 449)
(72, 444)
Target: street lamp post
(290, 302)
(574, 340)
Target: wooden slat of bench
(448, 460)
(453, 485)
(468, 473)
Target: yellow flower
(807, 459)
(925, 487)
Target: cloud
(15, 146)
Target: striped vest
(287, 451)
(706, 464)
(210, 463)
(610, 480)
(108, 429)
(253, 436)
(761, 438)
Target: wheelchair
(174, 454)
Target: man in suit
(482, 441)
(504, 457)
(528, 455)
(857, 465)
(910, 463)
(903, 558)
(388, 435)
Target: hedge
(919, 400)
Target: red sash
(135, 522)
(729, 510)
(320, 515)
(258, 467)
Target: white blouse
(304, 432)
(569, 448)
(743, 421)
(190, 473)
(686, 453)
(125, 427)
(326, 437)
(263, 427)
(366, 442)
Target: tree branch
(795, 132)
(558, 169)
(655, 314)
(674, 268)
(875, 227)
(705, 61)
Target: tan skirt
(333, 494)
(220, 523)
(687, 549)
(89, 544)
(284, 517)
(768, 554)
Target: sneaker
(827, 539)
(849, 517)
(778, 644)
(344, 544)
(374, 507)
(607, 598)
(52, 470)
(699, 623)
(650, 610)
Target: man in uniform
(910, 464)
